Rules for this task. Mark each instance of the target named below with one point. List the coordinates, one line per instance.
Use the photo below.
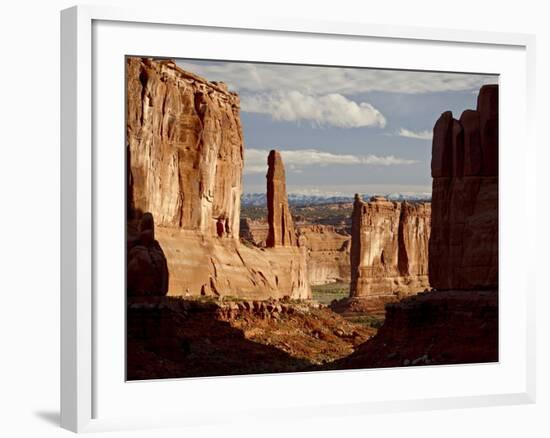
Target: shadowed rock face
(281, 227)
(432, 328)
(458, 322)
(389, 247)
(185, 161)
(147, 268)
(464, 239)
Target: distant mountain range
(260, 199)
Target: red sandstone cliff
(389, 248)
(185, 147)
(327, 253)
(185, 161)
(457, 322)
(327, 248)
(464, 242)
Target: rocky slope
(185, 161)
(174, 337)
(433, 328)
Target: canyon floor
(175, 337)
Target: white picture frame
(87, 389)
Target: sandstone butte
(185, 160)
(389, 249)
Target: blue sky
(341, 130)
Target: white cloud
(419, 135)
(256, 160)
(329, 109)
(250, 77)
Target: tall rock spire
(281, 228)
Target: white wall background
(29, 216)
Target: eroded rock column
(281, 227)
(389, 247)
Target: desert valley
(220, 282)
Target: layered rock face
(254, 231)
(185, 161)
(457, 322)
(185, 148)
(327, 248)
(281, 227)
(464, 242)
(389, 248)
(328, 252)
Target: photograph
(285, 218)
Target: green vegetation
(326, 293)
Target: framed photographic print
(257, 209)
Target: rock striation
(254, 231)
(458, 321)
(389, 248)
(464, 240)
(281, 227)
(185, 160)
(185, 148)
(328, 253)
(327, 248)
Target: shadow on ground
(163, 343)
(51, 417)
